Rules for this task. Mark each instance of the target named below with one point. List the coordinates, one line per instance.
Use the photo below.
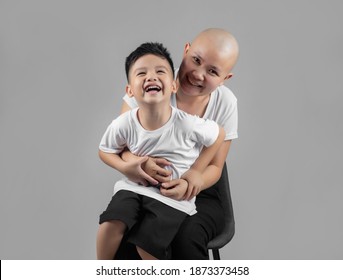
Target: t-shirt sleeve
(204, 131)
(113, 141)
(131, 101)
(226, 114)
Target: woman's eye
(213, 72)
(196, 60)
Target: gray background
(61, 83)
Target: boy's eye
(140, 73)
(161, 71)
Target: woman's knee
(190, 243)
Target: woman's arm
(213, 171)
(201, 180)
(124, 108)
(208, 153)
(205, 170)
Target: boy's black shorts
(151, 224)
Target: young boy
(153, 129)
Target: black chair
(229, 229)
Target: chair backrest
(229, 229)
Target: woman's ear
(228, 76)
(187, 46)
(129, 91)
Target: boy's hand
(175, 189)
(154, 167)
(135, 173)
(195, 183)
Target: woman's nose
(198, 74)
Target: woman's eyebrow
(215, 68)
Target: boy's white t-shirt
(222, 108)
(179, 141)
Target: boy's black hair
(148, 48)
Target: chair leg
(216, 255)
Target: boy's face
(203, 68)
(151, 80)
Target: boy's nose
(152, 78)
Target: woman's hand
(195, 183)
(175, 189)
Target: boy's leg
(121, 214)
(127, 250)
(109, 236)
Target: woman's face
(203, 69)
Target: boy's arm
(154, 167)
(112, 160)
(132, 170)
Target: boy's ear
(175, 86)
(129, 91)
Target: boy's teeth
(152, 88)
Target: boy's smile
(152, 89)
